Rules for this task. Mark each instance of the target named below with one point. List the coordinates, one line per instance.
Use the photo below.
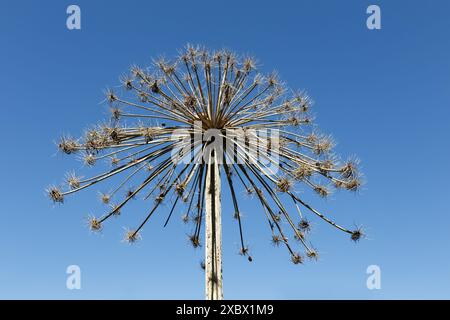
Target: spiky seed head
(249, 65)
(353, 184)
(312, 138)
(304, 225)
(284, 185)
(73, 181)
(89, 159)
(324, 145)
(180, 188)
(272, 80)
(185, 218)
(94, 224)
(115, 113)
(202, 265)
(357, 235)
(105, 197)
(350, 169)
(313, 254)
(55, 194)
(132, 236)
(110, 96)
(296, 258)
(243, 251)
(68, 145)
(127, 82)
(322, 191)
(303, 171)
(276, 240)
(195, 241)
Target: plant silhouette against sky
(203, 90)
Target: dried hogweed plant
(198, 92)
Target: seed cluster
(222, 91)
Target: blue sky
(384, 95)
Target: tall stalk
(213, 233)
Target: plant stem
(213, 232)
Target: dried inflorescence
(202, 90)
(132, 236)
(94, 224)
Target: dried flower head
(94, 224)
(73, 181)
(304, 225)
(105, 197)
(132, 236)
(195, 241)
(357, 234)
(296, 258)
(55, 194)
(284, 185)
(68, 145)
(312, 254)
(157, 116)
(322, 191)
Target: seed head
(132, 236)
(55, 194)
(94, 224)
(185, 218)
(284, 185)
(296, 258)
(357, 235)
(110, 96)
(105, 198)
(322, 191)
(304, 225)
(89, 159)
(195, 241)
(68, 145)
(302, 171)
(73, 181)
(353, 184)
(313, 254)
(276, 240)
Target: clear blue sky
(384, 95)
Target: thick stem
(213, 232)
